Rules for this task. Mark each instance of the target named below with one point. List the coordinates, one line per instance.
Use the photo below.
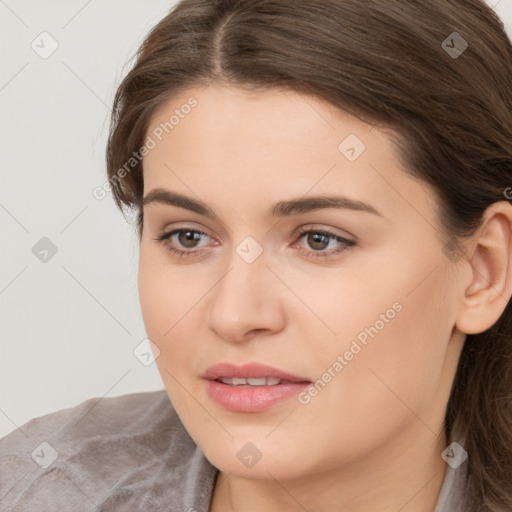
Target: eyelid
(190, 225)
(166, 235)
(346, 243)
(335, 232)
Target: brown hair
(390, 62)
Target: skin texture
(372, 438)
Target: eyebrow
(278, 210)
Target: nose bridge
(242, 283)
(245, 298)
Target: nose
(246, 301)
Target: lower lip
(255, 399)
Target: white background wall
(69, 325)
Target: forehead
(258, 118)
(223, 141)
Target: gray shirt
(126, 453)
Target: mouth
(254, 382)
(253, 374)
(251, 387)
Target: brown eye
(182, 242)
(317, 241)
(188, 238)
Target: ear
(490, 287)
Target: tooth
(257, 381)
(262, 381)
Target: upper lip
(248, 371)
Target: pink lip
(243, 399)
(248, 371)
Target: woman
(322, 192)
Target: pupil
(318, 238)
(188, 236)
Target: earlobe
(490, 289)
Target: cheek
(165, 294)
(399, 354)
(172, 306)
(393, 319)
(151, 294)
(163, 306)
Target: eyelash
(164, 238)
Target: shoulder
(119, 453)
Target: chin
(272, 464)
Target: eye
(184, 242)
(184, 237)
(319, 240)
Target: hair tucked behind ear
(385, 62)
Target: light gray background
(69, 325)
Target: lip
(256, 399)
(249, 371)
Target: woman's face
(369, 322)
